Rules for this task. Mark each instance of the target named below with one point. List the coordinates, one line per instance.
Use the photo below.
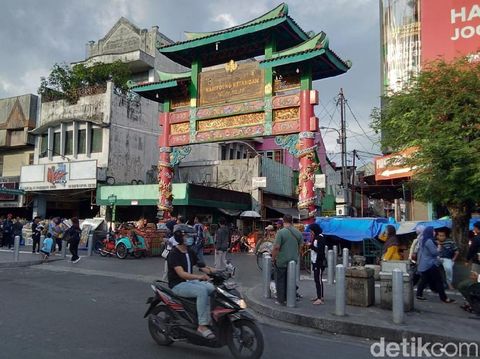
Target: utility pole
(343, 139)
(353, 177)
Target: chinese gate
(227, 94)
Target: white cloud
(226, 20)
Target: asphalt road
(61, 314)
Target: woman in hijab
(429, 266)
(390, 249)
(413, 254)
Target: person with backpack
(286, 248)
(72, 236)
(448, 254)
(319, 262)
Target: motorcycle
(121, 247)
(172, 318)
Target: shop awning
(230, 212)
(291, 211)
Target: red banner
(449, 29)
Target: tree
(439, 115)
(65, 82)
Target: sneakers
(76, 260)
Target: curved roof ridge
(280, 11)
(319, 41)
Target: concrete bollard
(291, 284)
(345, 257)
(16, 249)
(335, 256)
(64, 249)
(397, 296)
(340, 298)
(90, 244)
(267, 275)
(330, 267)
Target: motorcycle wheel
(159, 315)
(122, 251)
(245, 340)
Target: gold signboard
(235, 82)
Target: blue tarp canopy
(352, 229)
(358, 229)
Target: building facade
(106, 137)
(18, 115)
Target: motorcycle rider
(184, 283)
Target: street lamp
(112, 199)
(334, 129)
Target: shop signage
(450, 29)
(59, 176)
(234, 82)
(259, 182)
(391, 166)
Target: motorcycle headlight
(241, 303)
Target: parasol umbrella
(250, 214)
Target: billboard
(400, 43)
(391, 167)
(450, 28)
(57, 176)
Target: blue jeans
(201, 291)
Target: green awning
(141, 195)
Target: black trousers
(36, 244)
(281, 284)
(432, 277)
(8, 240)
(74, 250)
(317, 276)
(58, 241)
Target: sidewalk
(432, 320)
(26, 257)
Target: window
(82, 141)
(278, 156)
(56, 144)
(231, 154)
(43, 145)
(1, 165)
(68, 142)
(238, 155)
(97, 140)
(224, 153)
(30, 159)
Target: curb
(25, 263)
(343, 326)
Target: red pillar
(165, 170)
(308, 167)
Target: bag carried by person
(165, 253)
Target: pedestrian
(319, 262)
(36, 233)
(170, 243)
(448, 254)
(199, 239)
(222, 242)
(47, 246)
(56, 230)
(8, 231)
(473, 255)
(429, 266)
(469, 288)
(72, 235)
(17, 229)
(413, 254)
(285, 249)
(390, 249)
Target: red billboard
(449, 29)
